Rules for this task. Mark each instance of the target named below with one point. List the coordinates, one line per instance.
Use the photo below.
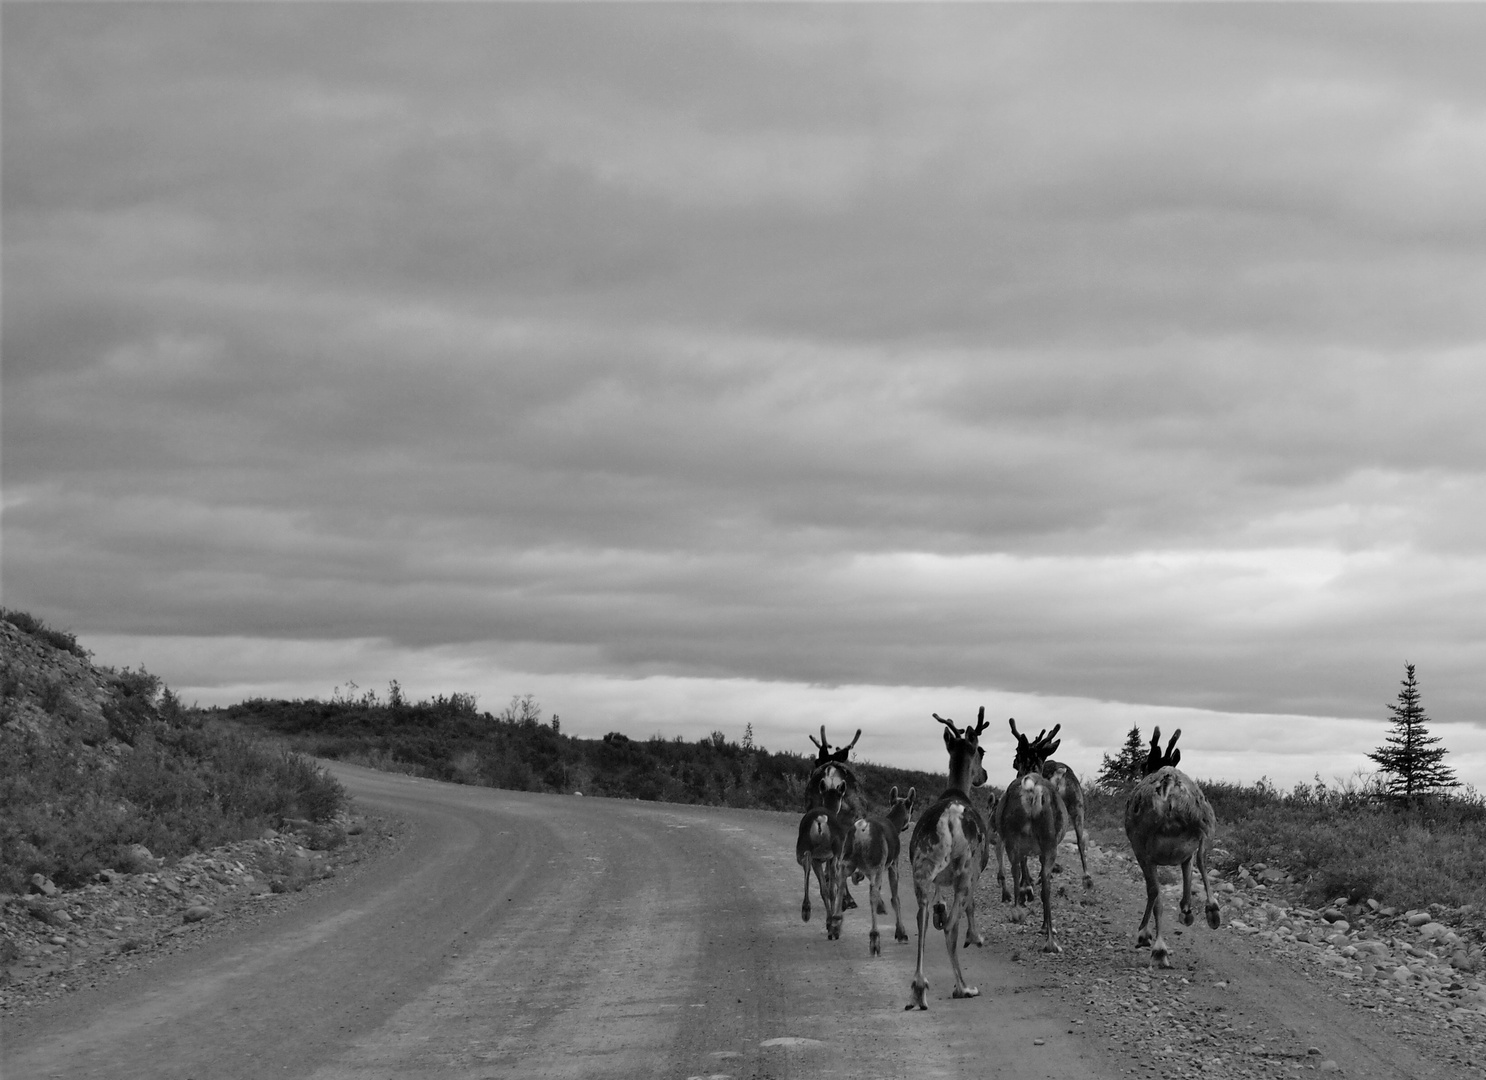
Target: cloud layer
(1124, 354)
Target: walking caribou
(872, 848)
(821, 843)
(1031, 820)
(948, 850)
(1169, 822)
(815, 796)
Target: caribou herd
(1167, 818)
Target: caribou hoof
(1052, 946)
(1214, 916)
(874, 942)
(1018, 914)
(920, 996)
(1088, 881)
(966, 991)
(1143, 939)
(804, 912)
(972, 938)
(1187, 917)
(900, 934)
(847, 903)
(939, 916)
(1162, 957)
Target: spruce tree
(1412, 759)
(1123, 772)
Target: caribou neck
(962, 770)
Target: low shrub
(58, 639)
(70, 813)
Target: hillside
(103, 769)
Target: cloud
(1119, 355)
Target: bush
(57, 639)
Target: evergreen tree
(1411, 759)
(1123, 772)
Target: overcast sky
(697, 365)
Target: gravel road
(511, 934)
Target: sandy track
(526, 935)
(542, 936)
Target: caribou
(872, 848)
(1031, 820)
(821, 843)
(1169, 822)
(948, 850)
(815, 796)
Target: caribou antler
(1156, 759)
(981, 723)
(824, 747)
(947, 723)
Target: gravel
(53, 942)
(1278, 990)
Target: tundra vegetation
(96, 762)
(71, 804)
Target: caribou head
(965, 752)
(1031, 753)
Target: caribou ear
(911, 793)
(892, 793)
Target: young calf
(872, 849)
(1169, 822)
(1031, 820)
(948, 850)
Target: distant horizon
(1334, 748)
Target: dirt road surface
(521, 935)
